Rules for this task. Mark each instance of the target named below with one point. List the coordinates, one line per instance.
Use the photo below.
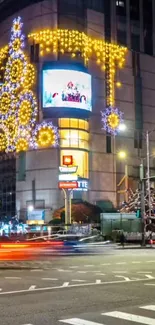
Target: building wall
(43, 165)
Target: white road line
(151, 307)
(131, 317)
(100, 273)
(32, 287)
(121, 263)
(79, 321)
(149, 284)
(88, 265)
(82, 271)
(65, 284)
(89, 284)
(124, 277)
(149, 276)
(49, 279)
(150, 261)
(73, 267)
(136, 262)
(98, 281)
(106, 264)
(12, 278)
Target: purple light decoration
(33, 140)
(105, 114)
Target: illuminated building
(87, 40)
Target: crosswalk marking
(117, 315)
(151, 307)
(79, 321)
(131, 317)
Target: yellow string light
(5, 103)
(75, 42)
(22, 145)
(3, 141)
(45, 137)
(29, 76)
(25, 112)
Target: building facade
(128, 23)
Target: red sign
(68, 185)
(67, 160)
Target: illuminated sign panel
(64, 169)
(68, 185)
(67, 88)
(68, 177)
(67, 160)
(82, 186)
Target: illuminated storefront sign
(67, 160)
(82, 185)
(69, 170)
(68, 185)
(68, 177)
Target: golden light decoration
(25, 112)
(22, 145)
(16, 71)
(113, 120)
(3, 53)
(45, 138)
(29, 76)
(5, 103)
(11, 125)
(75, 42)
(16, 44)
(3, 141)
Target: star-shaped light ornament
(111, 118)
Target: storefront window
(74, 139)
(73, 123)
(80, 159)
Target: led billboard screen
(67, 88)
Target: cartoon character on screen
(71, 93)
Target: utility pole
(143, 225)
(148, 171)
(68, 202)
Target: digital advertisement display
(67, 88)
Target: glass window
(74, 138)
(82, 124)
(64, 138)
(74, 123)
(64, 122)
(80, 159)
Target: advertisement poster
(67, 88)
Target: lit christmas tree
(18, 104)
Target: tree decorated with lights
(18, 104)
(134, 202)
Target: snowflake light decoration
(111, 119)
(45, 135)
(18, 104)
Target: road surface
(114, 289)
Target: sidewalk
(135, 246)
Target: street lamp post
(148, 170)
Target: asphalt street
(112, 289)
